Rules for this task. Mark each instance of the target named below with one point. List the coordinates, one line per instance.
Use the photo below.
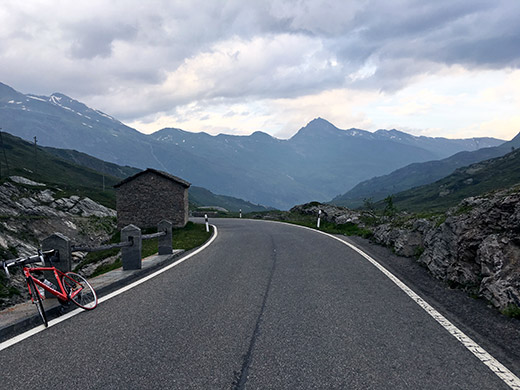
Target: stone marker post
(165, 242)
(63, 245)
(131, 255)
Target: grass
(190, 236)
(7, 291)
(104, 268)
(347, 229)
(512, 311)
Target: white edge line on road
(38, 329)
(493, 364)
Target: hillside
(418, 174)
(93, 163)
(476, 179)
(76, 173)
(317, 163)
(198, 196)
(21, 158)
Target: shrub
(512, 311)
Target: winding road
(265, 306)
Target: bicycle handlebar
(21, 261)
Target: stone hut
(150, 196)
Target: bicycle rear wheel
(80, 291)
(37, 300)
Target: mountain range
(317, 163)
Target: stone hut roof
(166, 175)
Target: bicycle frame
(61, 294)
(71, 286)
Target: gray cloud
(408, 38)
(121, 57)
(91, 39)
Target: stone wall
(150, 198)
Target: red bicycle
(71, 286)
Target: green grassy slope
(476, 179)
(21, 158)
(93, 163)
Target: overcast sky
(439, 68)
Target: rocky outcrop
(478, 247)
(329, 213)
(406, 240)
(21, 200)
(30, 212)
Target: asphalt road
(266, 306)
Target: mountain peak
(6, 92)
(260, 135)
(320, 127)
(60, 95)
(60, 99)
(319, 120)
(316, 127)
(320, 123)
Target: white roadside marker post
(240, 213)
(207, 223)
(319, 218)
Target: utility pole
(5, 156)
(1, 140)
(35, 156)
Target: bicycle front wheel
(37, 300)
(80, 291)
